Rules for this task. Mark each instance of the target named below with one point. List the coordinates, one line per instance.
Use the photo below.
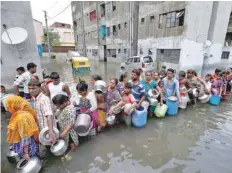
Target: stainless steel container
(152, 93)
(59, 148)
(100, 85)
(153, 101)
(12, 156)
(110, 119)
(33, 165)
(44, 135)
(82, 123)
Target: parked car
(71, 54)
(143, 62)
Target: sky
(53, 7)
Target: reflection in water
(198, 140)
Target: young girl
(208, 79)
(88, 104)
(122, 81)
(127, 97)
(66, 117)
(217, 85)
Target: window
(119, 51)
(147, 59)
(149, 52)
(114, 30)
(136, 60)
(141, 51)
(142, 21)
(225, 55)
(108, 31)
(168, 55)
(103, 10)
(125, 50)
(171, 19)
(125, 24)
(113, 5)
(152, 18)
(119, 26)
(162, 51)
(93, 15)
(75, 24)
(130, 60)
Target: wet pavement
(198, 140)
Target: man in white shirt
(25, 79)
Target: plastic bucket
(139, 117)
(160, 111)
(172, 107)
(215, 100)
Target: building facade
(179, 34)
(17, 14)
(65, 32)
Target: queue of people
(52, 106)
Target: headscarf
(22, 123)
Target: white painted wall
(63, 40)
(38, 26)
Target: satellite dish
(208, 43)
(14, 35)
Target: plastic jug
(160, 111)
(139, 117)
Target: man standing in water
(56, 87)
(25, 79)
(43, 108)
(170, 85)
(138, 90)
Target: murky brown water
(198, 140)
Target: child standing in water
(88, 104)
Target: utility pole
(83, 29)
(98, 30)
(135, 27)
(48, 41)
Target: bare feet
(73, 147)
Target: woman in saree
(22, 131)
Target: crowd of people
(41, 104)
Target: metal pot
(33, 165)
(82, 123)
(153, 101)
(204, 98)
(59, 148)
(12, 156)
(44, 135)
(117, 111)
(85, 134)
(126, 109)
(100, 85)
(195, 93)
(153, 93)
(110, 119)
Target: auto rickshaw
(80, 65)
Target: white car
(71, 54)
(143, 62)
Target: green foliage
(54, 38)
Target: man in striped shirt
(138, 90)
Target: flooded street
(198, 140)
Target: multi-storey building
(179, 34)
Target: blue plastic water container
(139, 117)
(172, 107)
(215, 100)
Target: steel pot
(59, 147)
(153, 93)
(87, 133)
(204, 98)
(82, 123)
(100, 85)
(33, 165)
(195, 93)
(110, 119)
(11, 156)
(44, 135)
(127, 107)
(153, 101)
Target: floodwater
(198, 140)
